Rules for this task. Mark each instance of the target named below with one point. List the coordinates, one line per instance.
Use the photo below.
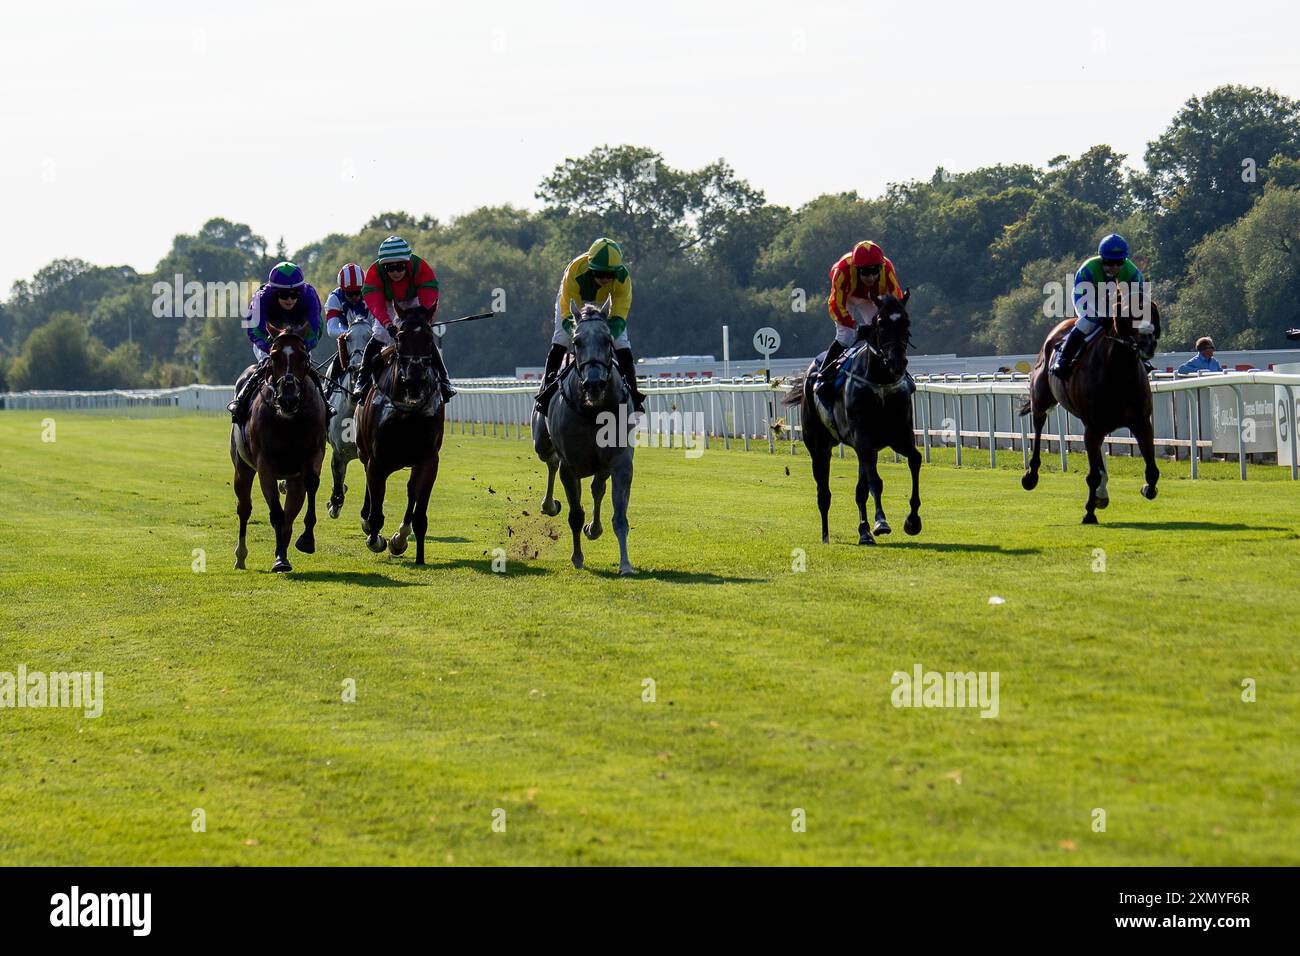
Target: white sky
(128, 122)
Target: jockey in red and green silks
(398, 279)
(1110, 268)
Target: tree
(59, 354)
(1202, 172)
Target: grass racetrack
(477, 692)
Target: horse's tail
(795, 395)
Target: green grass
(523, 691)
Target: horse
(583, 432)
(342, 427)
(1107, 390)
(399, 424)
(874, 411)
(283, 439)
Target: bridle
(871, 345)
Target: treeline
(1213, 219)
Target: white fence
(1193, 416)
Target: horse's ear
(573, 310)
(606, 306)
(907, 294)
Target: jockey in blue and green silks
(1109, 268)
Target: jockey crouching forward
(398, 278)
(590, 278)
(855, 278)
(285, 301)
(343, 307)
(1110, 269)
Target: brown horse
(283, 439)
(1108, 390)
(400, 425)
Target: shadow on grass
(366, 579)
(514, 567)
(675, 577)
(950, 546)
(1188, 526)
(452, 539)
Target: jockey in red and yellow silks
(855, 278)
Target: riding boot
(627, 365)
(365, 374)
(549, 377)
(444, 380)
(1068, 354)
(825, 388)
(320, 387)
(238, 407)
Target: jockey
(344, 306)
(285, 301)
(597, 273)
(1110, 267)
(397, 277)
(859, 274)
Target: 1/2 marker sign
(767, 341)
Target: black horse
(874, 411)
(400, 425)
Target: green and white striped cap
(394, 249)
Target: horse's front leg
(306, 542)
(1092, 439)
(862, 491)
(420, 517)
(339, 472)
(271, 492)
(1144, 433)
(573, 491)
(376, 481)
(877, 486)
(907, 448)
(1040, 403)
(622, 474)
(593, 529)
(551, 507)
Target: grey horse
(585, 433)
(343, 427)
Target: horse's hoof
(1103, 504)
(912, 525)
(377, 544)
(592, 531)
(239, 564)
(577, 561)
(365, 526)
(551, 509)
(826, 539)
(281, 564)
(1089, 518)
(333, 509)
(283, 488)
(305, 544)
(626, 570)
(1029, 480)
(865, 538)
(397, 544)
(882, 527)
(1149, 492)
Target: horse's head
(1138, 322)
(891, 333)
(413, 378)
(357, 336)
(290, 364)
(593, 350)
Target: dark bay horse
(343, 426)
(1108, 390)
(400, 425)
(874, 411)
(585, 432)
(283, 439)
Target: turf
(520, 697)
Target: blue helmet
(285, 275)
(1113, 247)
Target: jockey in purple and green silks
(285, 301)
(1110, 268)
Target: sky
(130, 122)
